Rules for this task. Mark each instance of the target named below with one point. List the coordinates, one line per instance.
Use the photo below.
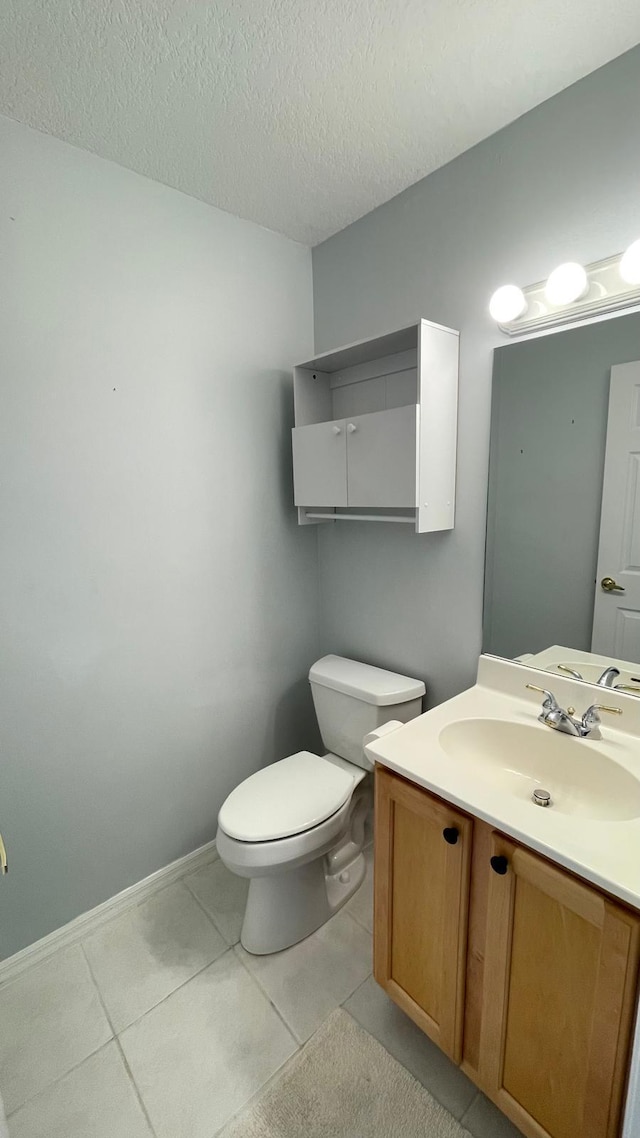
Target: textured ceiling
(302, 115)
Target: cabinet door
(561, 967)
(422, 859)
(320, 464)
(381, 458)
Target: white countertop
(606, 853)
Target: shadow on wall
(293, 726)
(286, 421)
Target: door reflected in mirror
(563, 526)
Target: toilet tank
(352, 699)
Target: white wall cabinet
(376, 430)
(320, 464)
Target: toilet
(296, 828)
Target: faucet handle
(591, 717)
(569, 671)
(549, 702)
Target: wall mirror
(563, 526)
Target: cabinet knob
(336, 429)
(451, 834)
(499, 864)
(351, 428)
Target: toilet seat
(286, 798)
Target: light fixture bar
(607, 292)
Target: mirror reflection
(562, 572)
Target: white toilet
(296, 828)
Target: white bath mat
(345, 1085)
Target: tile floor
(160, 1025)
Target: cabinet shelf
(375, 428)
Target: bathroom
(161, 605)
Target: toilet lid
(286, 798)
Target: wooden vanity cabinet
(422, 863)
(521, 972)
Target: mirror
(549, 414)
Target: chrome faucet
(605, 681)
(607, 677)
(552, 715)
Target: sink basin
(517, 758)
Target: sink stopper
(541, 797)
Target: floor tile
(361, 904)
(97, 1099)
(144, 955)
(484, 1120)
(205, 1051)
(224, 896)
(51, 1020)
(374, 1011)
(308, 981)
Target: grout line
(267, 997)
(206, 912)
(97, 989)
(257, 1095)
(219, 956)
(90, 1055)
(271, 1081)
(473, 1100)
(54, 1083)
(256, 979)
(173, 991)
(365, 981)
(117, 1042)
(360, 922)
(132, 1080)
(347, 912)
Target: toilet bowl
(296, 828)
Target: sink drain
(541, 797)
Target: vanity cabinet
(521, 972)
(422, 871)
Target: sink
(517, 758)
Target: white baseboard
(88, 922)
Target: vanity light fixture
(572, 292)
(567, 283)
(630, 264)
(507, 303)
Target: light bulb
(567, 283)
(507, 303)
(630, 264)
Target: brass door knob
(608, 585)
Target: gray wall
(548, 436)
(158, 600)
(559, 184)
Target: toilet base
(284, 908)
